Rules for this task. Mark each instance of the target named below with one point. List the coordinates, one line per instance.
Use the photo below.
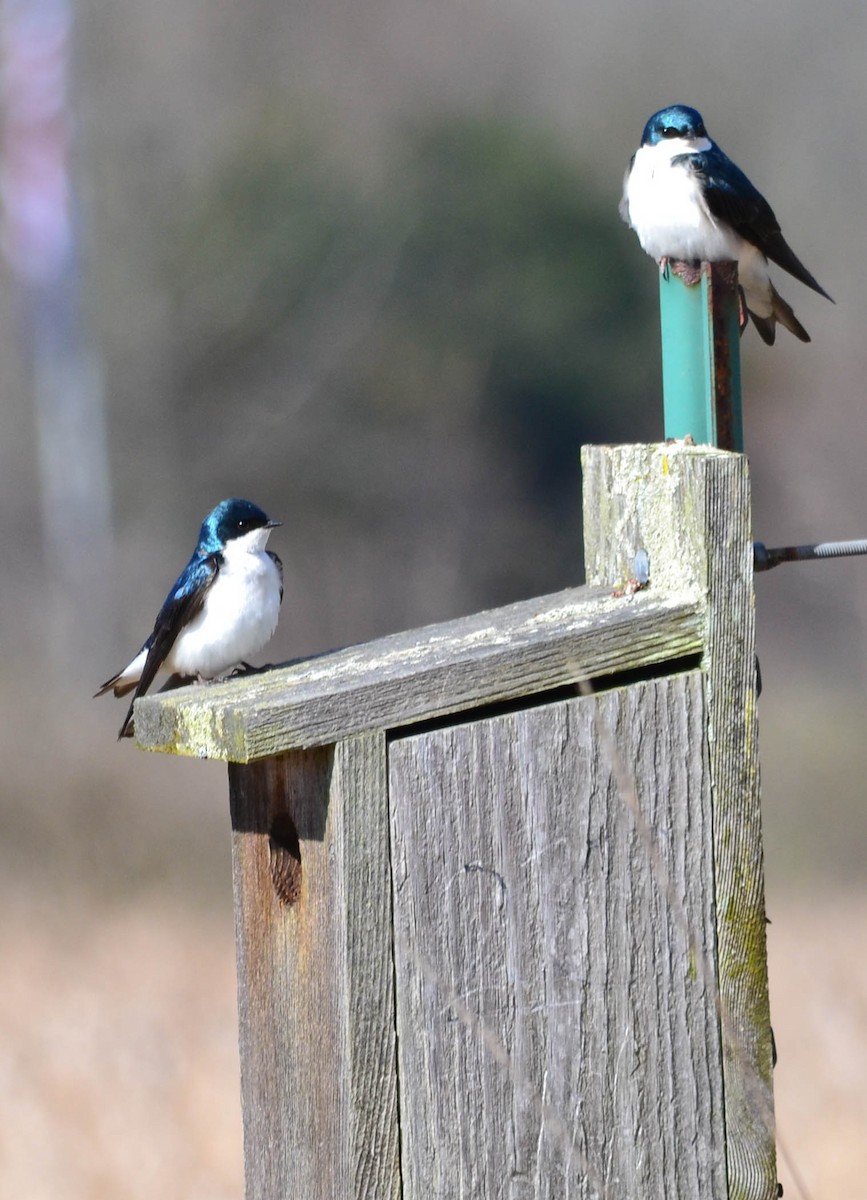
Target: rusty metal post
(701, 369)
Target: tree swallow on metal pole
(688, 203)
(222, 608)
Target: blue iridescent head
(675, 121)
(231, 518)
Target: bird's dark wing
(730, 197)
(181, 605)
(278, 564)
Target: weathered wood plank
(498, 655)
(315, 974)
(555, 1037)
(689, 507)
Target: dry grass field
(818, 973)
(118, 1056)
(119, 1064)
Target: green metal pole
(701, 362)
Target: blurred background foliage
(363, 264)
(476, 287)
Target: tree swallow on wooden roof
(222, 608)
(688, 202)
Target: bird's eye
(669, 131)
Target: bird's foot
(743, 315)
(245, 668)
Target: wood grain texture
(555, 1038)
(489, 657)
(689, 507)
(315, 976)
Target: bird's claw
(245, 668)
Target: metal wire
(764, 559)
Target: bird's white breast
(665, 206)
(239, 614)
